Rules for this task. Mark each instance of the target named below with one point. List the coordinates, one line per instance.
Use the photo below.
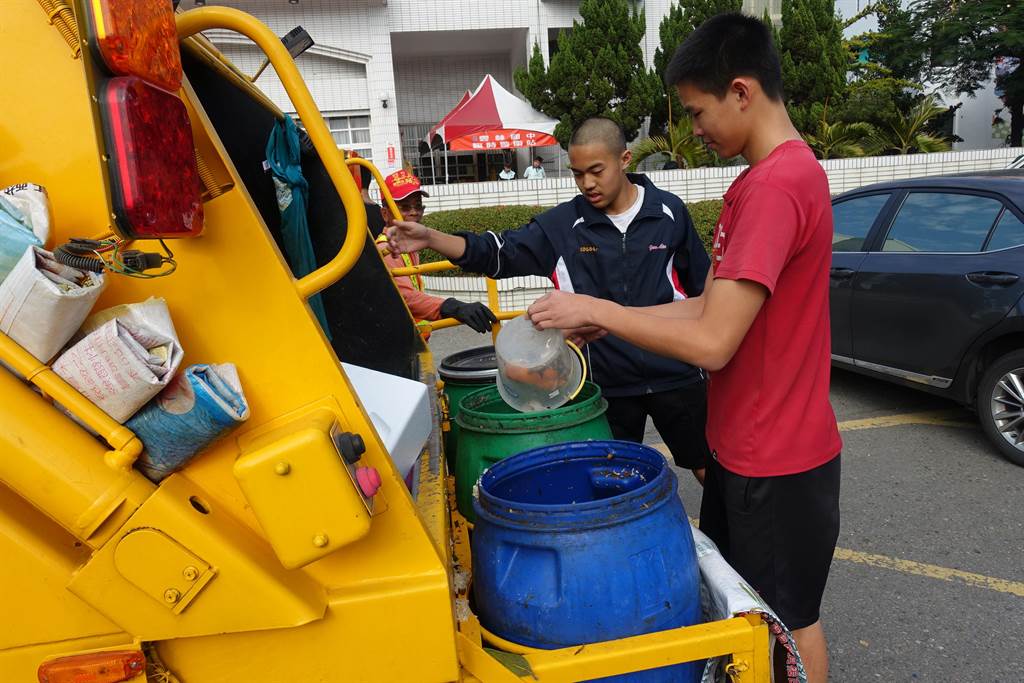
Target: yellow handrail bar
(125, 446)
(435, 267)
(493, 302)
(384, 192)
(204, 18)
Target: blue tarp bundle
(284, 158)
(191, 413)
(15, 237)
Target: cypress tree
(598, 70)
(814, 60)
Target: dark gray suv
(927, 282)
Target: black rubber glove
(477, 316)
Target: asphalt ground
(927, 583)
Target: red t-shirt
(768, 409)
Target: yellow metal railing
(493, 300)
(204, 18)
(746, 639)
(125, 446)
(388, 199)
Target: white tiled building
(384, 71)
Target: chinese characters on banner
(502, 139)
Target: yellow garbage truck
(294, 548)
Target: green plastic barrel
(463, 373)
(491, 430)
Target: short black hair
(365, 176)
(725, 47)
(600, 129)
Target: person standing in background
(536, 170)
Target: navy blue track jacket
(660, 259)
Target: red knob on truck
(369, 480)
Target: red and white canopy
(492, 118)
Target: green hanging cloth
(284, 159)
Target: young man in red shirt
(771, 493)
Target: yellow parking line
(935, 417)
(931, 571)
(945, 418)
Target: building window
(411, 135)
(350, 132)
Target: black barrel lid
(479, 363)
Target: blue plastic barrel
(585, 542)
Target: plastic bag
(152, 312)
(43, 302)
(15, 236)
(192, 412)
(34, 204)
(125, 361)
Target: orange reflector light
(138, 38)
(95, 667)
(154, 180)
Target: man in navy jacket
(624, 240)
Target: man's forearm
(682, 337)
(449, 246)
(688, 309)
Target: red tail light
(154, 180)
(138, 38)
(96, 667)
(155, 186)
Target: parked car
(927, 281)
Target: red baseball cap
(401, 184)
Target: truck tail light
(95, 667)
(154, 180)
(155, 185)
(138, 38)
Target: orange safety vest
(417, 284)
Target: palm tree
(680, 145)
(905, 134)
(836, 140)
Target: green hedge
(501, 218)
(705, 217)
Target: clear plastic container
(536, 370)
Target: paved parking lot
(928, 581)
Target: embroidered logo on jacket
(588, 249)
(656, 247)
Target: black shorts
(680, 415)
(779, 533)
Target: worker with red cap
(405, 189)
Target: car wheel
(1000, 405)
